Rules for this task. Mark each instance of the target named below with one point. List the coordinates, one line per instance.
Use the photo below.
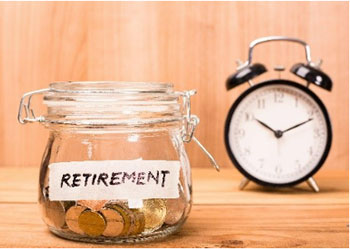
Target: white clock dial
(278, 134)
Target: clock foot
(243, 183)
(313, 185)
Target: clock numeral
(240, 132)
(278, 169)
(278, 97)
(261, 103)
(310, 112)
(248, 117)
(296, 101)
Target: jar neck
(112, 104)
(168, 127)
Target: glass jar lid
(111, 103)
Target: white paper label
(108, 180)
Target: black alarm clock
(278, 132)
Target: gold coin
(114, 220)
(132, 222)
(72, 216)
(124, 212)
(54, 214)
(175, 209)
(94, 205)
(154, 211)
(136, 224)
(92, 223)
(139, 222)
(142, 222)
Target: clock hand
(295, 126)
(277, 133)
(265, 125)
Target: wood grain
(221, 215)
(192, 44)
(207, 226)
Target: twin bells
(309, 71)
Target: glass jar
(115, 167)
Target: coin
(154, 211)
(94, 205)
(68, 204)
(142, 222)
(92, 223)
(175, 209)
(124, 212)
(54, 214)
(133, 222)
(139, 222)
(72, 216)
(114, 220)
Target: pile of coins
(112, 218)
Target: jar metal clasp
(190, 123)
(29, 112)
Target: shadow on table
(292, 190)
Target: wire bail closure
(190, 123)
(29, 112)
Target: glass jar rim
(108, 103)
(110, 87)
(112, 103)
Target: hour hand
(265, 125)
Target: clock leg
(312, 183)
(243, 184)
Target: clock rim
(290, 84)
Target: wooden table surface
(222, 216)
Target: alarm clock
(278, 132)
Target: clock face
(278, 133)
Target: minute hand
(295, 126)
